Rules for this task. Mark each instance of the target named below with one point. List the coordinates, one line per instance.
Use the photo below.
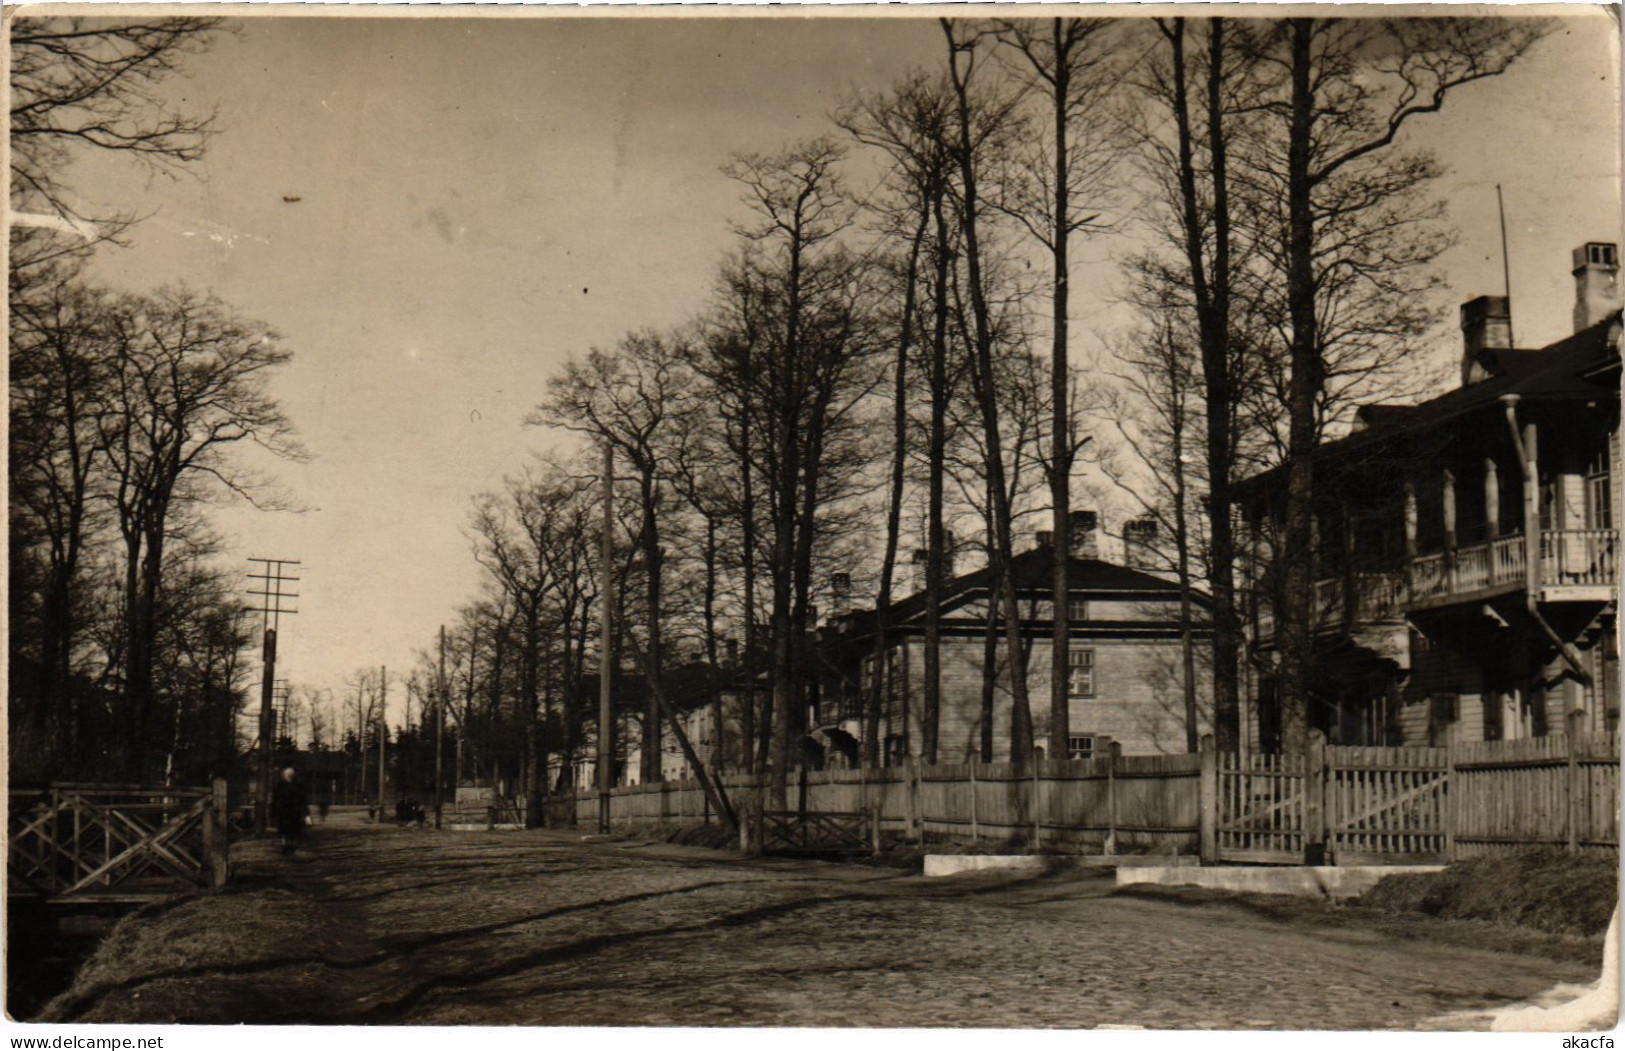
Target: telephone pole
(271, 596)
(383, 735)
(441, 696)
(606, 616)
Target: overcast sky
(480, 198)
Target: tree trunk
(1294, 628)
(936, 535)
(1021, 742)
(1060, 479)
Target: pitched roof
(1580, 367)
(1032, 570)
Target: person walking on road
(289, 806)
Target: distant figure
(417, 812)
(321, 808)
(403, 811)
(289, 807)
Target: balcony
(1575, 565)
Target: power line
(271, 606)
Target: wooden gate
(1345, 806)
(1387, 805)
(84, 843)
(1261, 803)
(815, 832)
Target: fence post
(1209, 819)
(1449, 807)
(1112, 753)
(916, 808)
(216, 835)
(909, 798)
(1038, 805)
(1314, 800)
(975, 830)
(874, 827)
(1572, 782)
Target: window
(1077, 611)
(1080, 746)
(895, 752)
(1080, 666)
(1599, 489)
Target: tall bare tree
(190, 382)
(1065, 180)
(1349, 199)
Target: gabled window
(1080, 668)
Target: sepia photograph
(968, 517)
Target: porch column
(1410, 520)
(1492, 500)
(1448, 498)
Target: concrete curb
(1303, 881)
(955, 864)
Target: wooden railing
(92, 842)
(1578, 556)
(1569, 557)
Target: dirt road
(384, 925)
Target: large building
(1125, 655)
(1466, 548)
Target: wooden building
(1126, 654)
(1466, 548)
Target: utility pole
(606, 616)
(383, 735)
(442, 695)
(271, 596)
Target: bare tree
(629, 400)
(189, 383)
(965, 48)
(1061, 192)
(1347, 219)
(910, 123)
(809, 340)
(88, 85)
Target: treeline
(129, 647)
(891, 374)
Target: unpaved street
(550, 928)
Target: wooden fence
(115, 843)
(1140, 803)
(1332, 805)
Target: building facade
(1126, 655)
(1466, 548)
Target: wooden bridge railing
(96, 842)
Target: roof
(1033, 571)
(1583, 366)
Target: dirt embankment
(1543, 890)
(1541, 903)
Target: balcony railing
(1569, 558)
(1579, 557)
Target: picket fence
(1333, 804)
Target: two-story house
(1125, 657)
(1466, 547)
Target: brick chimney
(1486, 324)
(840, 594)
(1085, 542)
(1140, 543)
(1596, 282)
